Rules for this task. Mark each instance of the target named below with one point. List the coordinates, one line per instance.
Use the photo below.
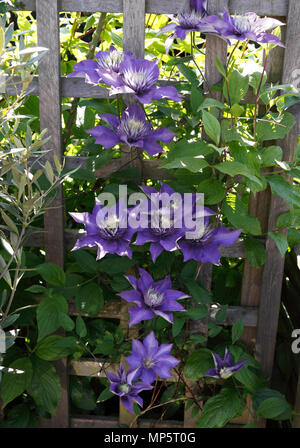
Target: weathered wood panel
(113, 422)
(274, 267)
(50, 118)
(261, 7)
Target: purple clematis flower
(132, 129)
(138, 77)
(188, 21)
(165, 226)
(224, 368)
(246, 27)
(150, 359)
(204, 247)
(152, 298)
(107, 229)
(107, 62)
(121, 385)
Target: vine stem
(194, 60)
(257, 96)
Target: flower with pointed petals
(188, 21)
(138, 77)
(224, 368)
(132, 129)
(204, 247)
(121, 385)
(107, 229)
(246, 27)
(107, 62)
(152, 298)
(150, 359)
(165, 226)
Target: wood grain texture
(274, 267)
(77, 88)
(50, 118)
(134, 27)
(261, 7)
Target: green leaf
(83, 395)
(251, 378)
(212, 126)
(177, 325)
(193, 164)
(220, 409)
(199, 294)
(274, 407)
(293, 237)
(80, 327)
(284, 189)
(196, 99)
(89, 299)
(219, 66)
(274, 129)
(249, 224)
(234, 168)
(45, 386)
(270, 155)
(115, 265)
(238, 86)
(36, 289)
(52, 274)
(48, 314)
(198, 363)
(106, 345)
(237, 331)
(66, 322)
(280, 241)
(49, 350)
(86, 261)
(189, 74)
(213, 190)
(13, 385)
(197, 313)
(255, 252)
(106, 394)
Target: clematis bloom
(150, 359)
(224, 368)
(121, 384)
(246, 27)
(132, 129)
(152, 298)
(139, 77)
(107, 62)
(107, 229)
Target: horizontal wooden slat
(77, 88)
(112, 310)
(113, 422)
(261, 7)
(36, 239)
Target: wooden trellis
(261, 289)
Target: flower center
(147, 362)
(225, 374)
(153, 298)
(189, 20)
(125, 388)
(242, 24)
(203, 237)
(113, 60)
(110, 227)
(136, 80)
(133, 128)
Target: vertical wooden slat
(133, 41)
(50, 118)
(274, 267)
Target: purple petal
(212, 372)
(111, 119)
(151, 345)
(85, 241)
(155, 250)
(145, 279)
(167, 316)
(144, 236)
(151, 146)
(228, 358)
(131, 296)
(104, 136)
(138, 314)
(164, 350)
(225, 237)
(164, 135)
(218, 361)
(163, 370)
(168, 92)
(148, 375)
(127, 402)
(173, 294)
(138, 348)
(166, 29)
(113, 378)
(171, 305)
